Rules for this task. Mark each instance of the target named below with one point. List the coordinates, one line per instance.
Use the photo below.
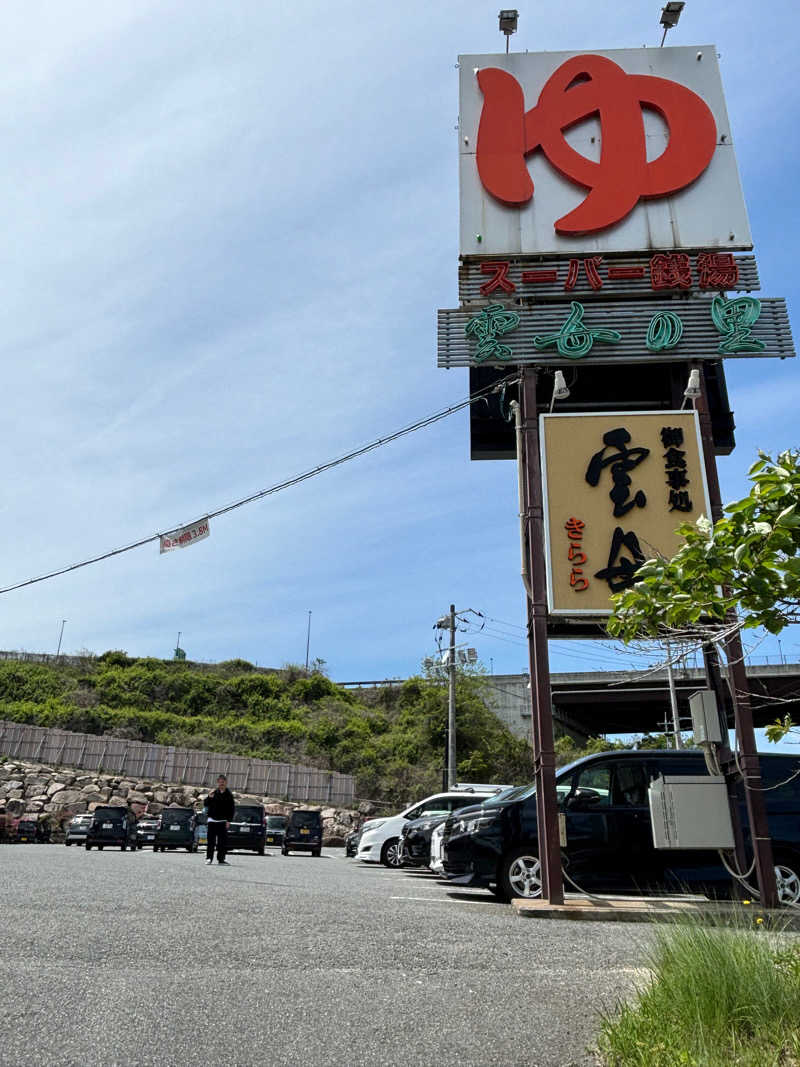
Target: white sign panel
(616, 151)
(186, 535)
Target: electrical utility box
(690, 811)
(705, 716)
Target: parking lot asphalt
(111, 958)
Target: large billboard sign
(612, 151)
(616, 487)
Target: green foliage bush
(718, 997)
(394, 744)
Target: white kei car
(380, 837)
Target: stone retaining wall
(55, 794)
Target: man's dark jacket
(220, 805)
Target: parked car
(111, 826)
(436, 862)
(380, 837)
(248, 829)
(303, 833)
(351, 842)
(146, 829)
(417, 838)
(30, 830)
(175, 830)
(78, 829)
(276, 827)
(609, 832)
(414, 846)
(200, 829)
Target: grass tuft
(720, 996)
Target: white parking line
(440, 900)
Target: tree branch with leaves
(741, 572)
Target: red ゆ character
(583, 86)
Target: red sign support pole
(544, 758)
(748, 764)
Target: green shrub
(719, 997)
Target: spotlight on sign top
(508, 18)
(670, 14)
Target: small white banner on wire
(185, 535)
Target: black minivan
(248, 830)
(112, 826)
(303, 833)
(175, 830)
(609, 835)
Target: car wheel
(390, 853)
(788, 882)
(88, 847)
(189, 848)
(520, 875)
(316, 852)
(67, 843)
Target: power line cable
(404, 431)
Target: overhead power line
(404, 431)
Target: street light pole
(308, 638)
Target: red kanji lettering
(671, 270)
(717, 270)
(499, 280)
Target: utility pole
(448, 622)
(58, 650)
(673, 699)
(451, 704)
(308, 638)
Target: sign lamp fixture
(693, 389)
(509, 17)
(670, 13)
(560, 390)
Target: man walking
(219, 806)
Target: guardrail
(189, 766)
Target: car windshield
(306, 818)
(276, 822)
(247, 814)
(520, 792)
(172, 818)
(109, 814)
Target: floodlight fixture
(693, 388)
(560, 389)
(670, 13)
(508, 19)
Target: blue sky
(226, 232)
